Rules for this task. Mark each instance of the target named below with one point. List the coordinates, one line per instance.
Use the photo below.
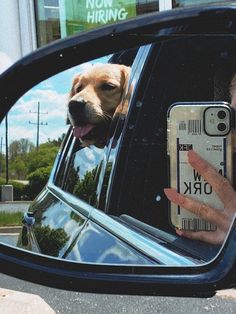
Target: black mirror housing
(202, 280)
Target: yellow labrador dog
(94, 98)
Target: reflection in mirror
(31, 136)
(105, 200)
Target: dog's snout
(76, 108)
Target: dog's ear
(123, 105)
(75, 81)
(72, 93)
(125, 71)
(125, 75)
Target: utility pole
(6, 140)
(1, 155)
(38, 123)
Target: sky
(53, 97)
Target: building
(28, 24)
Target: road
(67, 302)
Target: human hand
(221, 218)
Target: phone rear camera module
(221, 127)
(221, 114)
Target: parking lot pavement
(71, 302)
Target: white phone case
(206, 128)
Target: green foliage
(18, 168)
(18, 152)
(25, 162)
(19, 191)
(86, 188)
(41, 158)
(37, 180)
(10, 219)
(50, 241)
(20, 147)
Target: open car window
(82, 170)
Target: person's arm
(221, 218)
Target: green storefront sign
(81, 15)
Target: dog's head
(94, 97)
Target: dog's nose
(76, 108)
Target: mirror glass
(118, 146)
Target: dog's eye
(78, 88)
(107, 86)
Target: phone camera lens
(221, 114)
(221, 127)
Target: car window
(82, 172)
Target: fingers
(215, 237)
(203, 211)
(220, 185)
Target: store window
(47, 21)
(184, 3)
(60, 18)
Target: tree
(58, 141)
(18, 168)
(86, 188)
(27, 163)
(43, 157)
(50, 241)
(20, 147)
(37, 180)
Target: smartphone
(207, 128)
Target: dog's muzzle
(77, 111)
(77, 116)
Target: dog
(95, 96)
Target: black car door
(180, 69)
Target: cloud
(17, 132)
(87, 159)
(52, 104)
(52, 118)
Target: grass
(10, 219)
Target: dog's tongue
(80, 131)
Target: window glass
(47, 21)
(184, 3)
(84, 171)
(60, 18)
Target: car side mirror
(153, 264)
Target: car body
(113, 216)
(109, 220)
